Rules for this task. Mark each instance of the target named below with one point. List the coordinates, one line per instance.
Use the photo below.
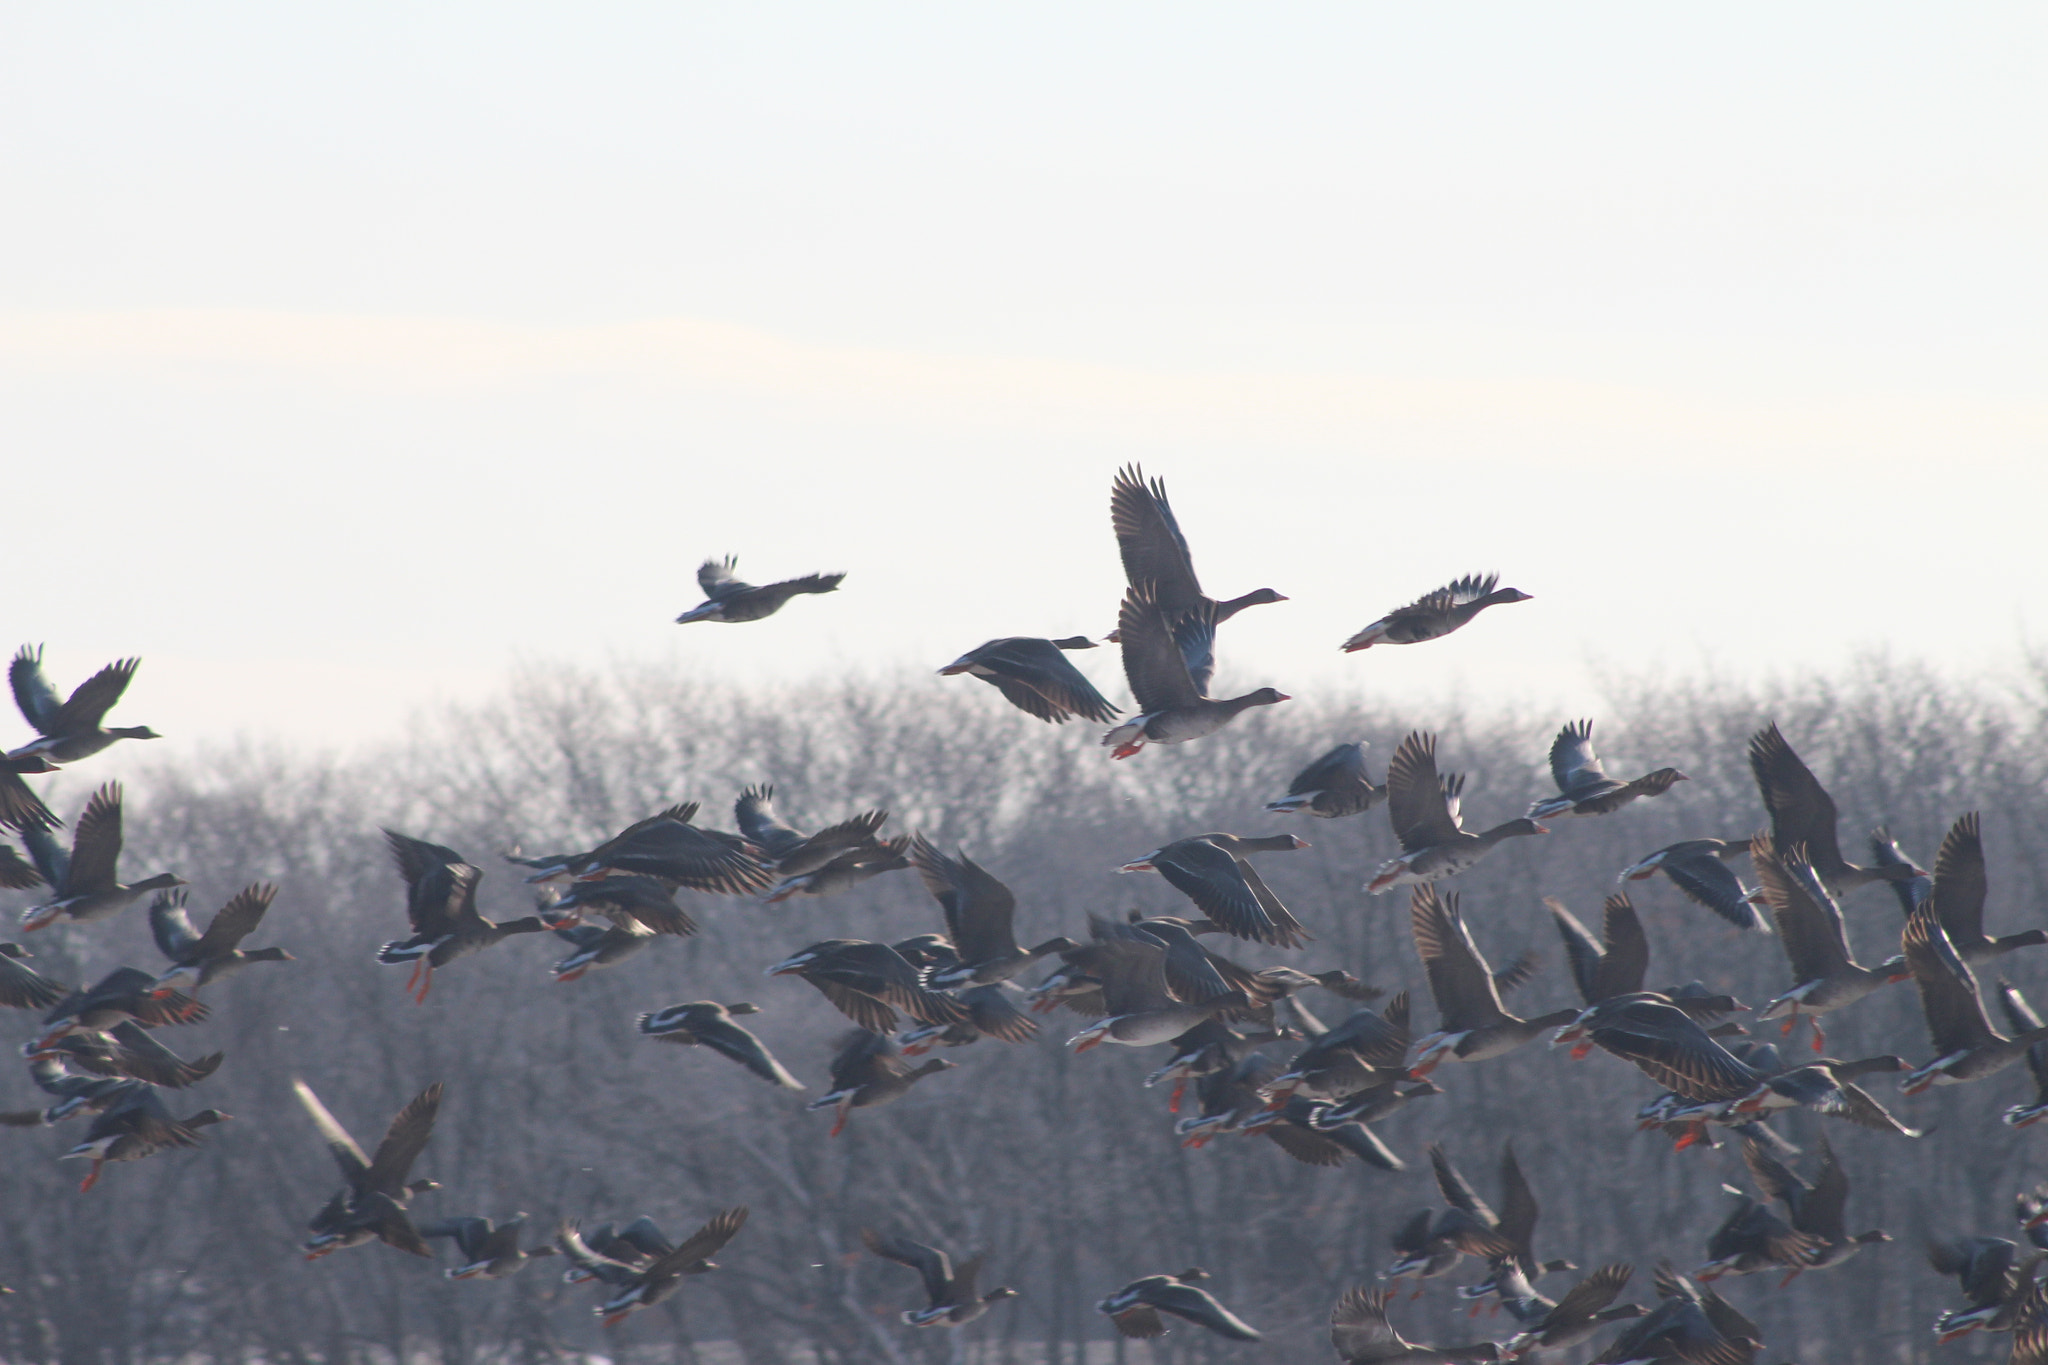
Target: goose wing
(1573, 764)
(1149, 539)
(38, 700)
(1959, 881)
(347, 1155)
(1464, 989)
(1802, 812)
(403, 1141)
(96, 844)
(1153, 662)
(1417, 803)
(1948, 988)
(979, 909)
(234, 921)
(929, 1262)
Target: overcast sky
(351, 355)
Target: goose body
(1423, 807)
(1334, 786)
(728, 599)
(1037, 678)
(706, 1023)
(73, 728)
(1584, 789)
(83, 883)
(1436, 614)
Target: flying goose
(643, 1286)
(83, 884)
(1362, 1335)
(950, 1291)
(371, 1204)
(70, 729)
(1474, 1025)
(1424, 810)
(1036, 677)
(1825, 975)
(1958, 893)
(979, 912)
(709, 1024)
(490, 1251)
(1966, 1047)
(1173, 703)
(1212, 871)
(1699, 869)
(728, 599)
(869, 1070)
(1585, 789)
(440, 902)
(137, 1126)
(868, 982)
(198, 958)
(1435, 615)
(1333, 786)
(1140, 1007)
(1135, 1308)
(1803, 816)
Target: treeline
(1063, 1168)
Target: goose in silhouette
(1825, 975)
(1333, 786)
(136, 1127)
(728, 599)
(1424, 810)
(1435, 615)
(1174, 705)
(22, 988)
(979, 912)
(1212, 871)
(371, 1204)
(951, 1292)
(1156, 558)
(1818, 1208)
(1362, 1335)
(632, 1246)
(1571, 1320)
(83, 883)
(1135, 1308)
(594, 946)
(1140, 1008)
(869, 1070)
(706, 1023)
(440, 902)
(1699, 868)
(1966, 1047)
(2022, 1019)
(869, 982)
(1958, 892)
(847, 871)
(489, 1251)
(788, 853)
(198, 958)
(1475, 1026)
(73, 728)
(1803, 816)
(1584, 788)
(1515, 1221)
(1364, 1052)
(643, 1286)
(1037, 678)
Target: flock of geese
(1142, 982)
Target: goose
(632, 1246)
(1135, 1308)
(440, 901)
(847, 871)
(788, 853)
(76, 1094)
(1332, 787)
(952, 1298)
(1585, 789)
(1515, 1222)
(126, 1050)
(1036, 677)
(83, 884)
(2021, 1017)
(1362, 1335)
(869, 1070)
(627, 901)
(1140, 1008)
(23, 988)
(124, 995)
(1306, 1131)
(73, 728)
(1435, 615)
(868, 982)
(1474, 1026)
(707, 1023)
(199, 958)
(1424, 810)
(1827, 1087)
(990, 1014)
(643, 1286)
(1364, 1052)
(1958, 893)
(1690, 1325)
(669, 848)
(1571, 1320)
(1966, 1047)
(490, 1251)
(1753, 1238)
(1817, 1208)
(1156, 558)
(1803, 816)
(598, 946)
(1992, 1278)
(1825, 975)
(371, 1204)
(979, 912)
(730, 600)
(136, 1127)
(1174, 704)
(1698, 868)
(1212, 871)
(1615, 963)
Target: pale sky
(351, 355)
